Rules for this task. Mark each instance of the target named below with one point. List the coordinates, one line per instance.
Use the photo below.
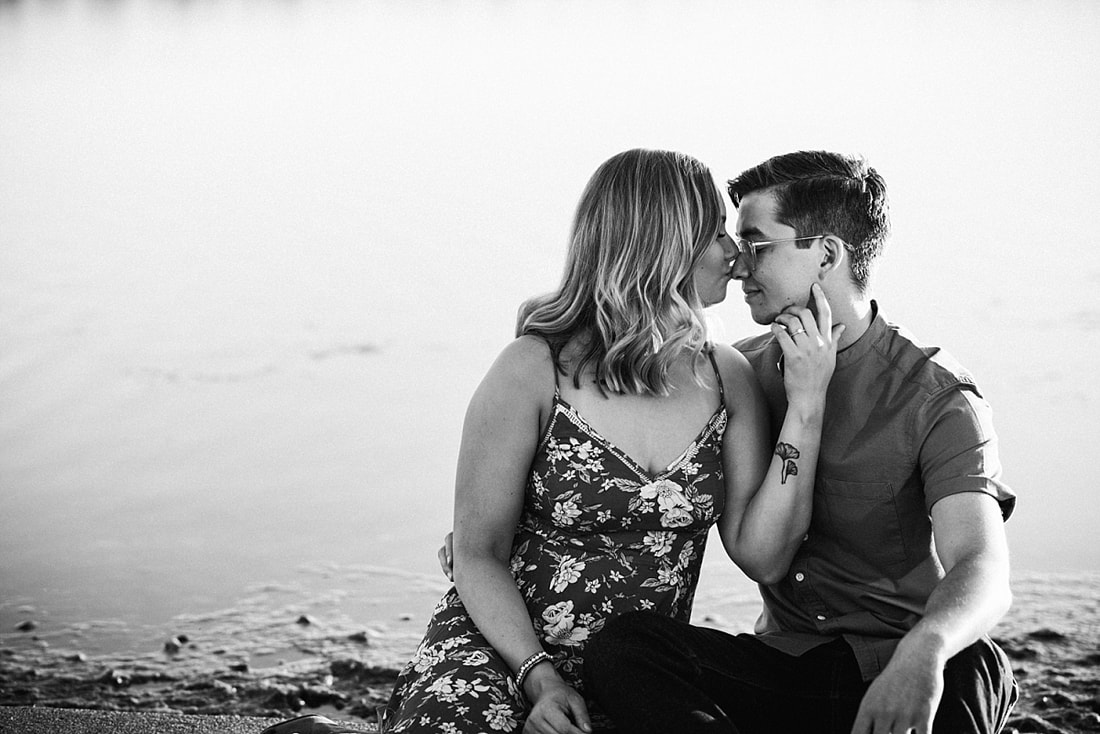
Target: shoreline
(299, 664)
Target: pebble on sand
(27, 625)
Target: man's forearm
(970, 600)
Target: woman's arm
(499, 439)
(769, 488)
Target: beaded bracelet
(526, 665)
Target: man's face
(784, 272)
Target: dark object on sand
(311, 724)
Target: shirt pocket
(862, 519)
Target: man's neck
(855, 313)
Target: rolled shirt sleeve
(958, 447)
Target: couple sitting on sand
(852, 472)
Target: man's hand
(904, 697)
(446, 557)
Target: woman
(598, 451)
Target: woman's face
(712, 274)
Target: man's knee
(979, 690)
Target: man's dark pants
(654, 674)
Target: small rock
(305, 620)
(184, 639)
(346, 668)
(362, 709)
(1025, 652)
(316, 696)
(1089, 721)
(1054, 698)
(1031, 724)
(406, 617)
(360, 637)
(77, 657)
(173, 646)
(223, 688)
(116, 678)
(27, 625)
(1046, 634)
(239, 667)
(276, 700)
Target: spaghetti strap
(553, 365)
(714, 364)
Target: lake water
(255, 257)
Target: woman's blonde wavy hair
(642, 225)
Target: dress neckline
(561, 404)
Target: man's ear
(833, 252)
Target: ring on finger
(797, 332)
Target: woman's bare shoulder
(732, 363)
(525, 365)
(737, 373)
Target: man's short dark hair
(818, 192)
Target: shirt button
(800, 577)
(821, 618)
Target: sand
(41, 720)
(1052, 635)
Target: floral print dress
(599, 536)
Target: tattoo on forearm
(788, 453)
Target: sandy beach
(277, 665)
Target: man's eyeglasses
(748, 248)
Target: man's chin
(762, 316)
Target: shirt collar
(855, 351)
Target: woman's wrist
(538, 678)
(528, 663)
(806, 412)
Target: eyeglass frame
(750, 247)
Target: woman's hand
(557, 708)
(446, 557)
(809, 347)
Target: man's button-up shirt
(904, 427)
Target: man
(879, 624)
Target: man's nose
(740, 268)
